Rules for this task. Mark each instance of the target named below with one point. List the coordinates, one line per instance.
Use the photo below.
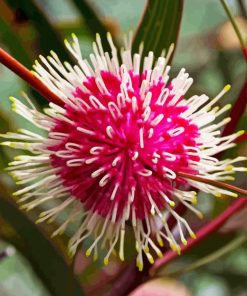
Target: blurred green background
(207, 48)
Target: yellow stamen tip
(194, 200)
(88, 253)
(172, 203)
(140, 266)
(159, 253)
(229, 168)
(200, 215)
(217, 194)
(192, 235)
(173, 247)
(95, 257)
(227, 87)
(121, 257)
(12, 99)
(184, 241)
(241, 132)
(160, 242)
(151, 259)
(146, 249)
(106, 261)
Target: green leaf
(46, 259)
(48, 36)
(16, 271)
(159, 26)
(93, 21)
(13, 42)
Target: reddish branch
(213, 182)
(28, 76)
(245, 53)
(203, 233)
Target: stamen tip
(172, 203)
(160, 242)
(229, 168)
(121, 257)
(241, 132)
(151, 260)
(227, 87)
(200, 215)
(106, 261)
(184, 241)
(217, 194)
(193, 235)
(159, 253)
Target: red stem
(28, 76)
(213, 182)
(203, 233)
(245, 53)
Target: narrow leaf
(51, 266)
(159, 26)
(12, 41)
(48, 36)
(92, 20)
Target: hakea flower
(119, 149)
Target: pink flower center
(124, 145)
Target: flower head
(113, 150)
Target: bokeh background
(207, 48)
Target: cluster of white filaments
(42, 182)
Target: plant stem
(28, 76)
(234, 24)
(213, 182)
(235, 243)
(203, 233)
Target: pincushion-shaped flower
(118, 148)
